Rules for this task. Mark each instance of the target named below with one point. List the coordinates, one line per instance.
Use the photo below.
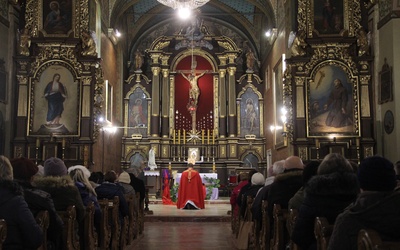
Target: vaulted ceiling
(249, 18)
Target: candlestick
(208, 137)
(213, 136)
(317, 143)
(37, 142)
(202, 136)
(184, 136)
(63, 143)
(173, 136)
(169, 166)
(358, 142)
(213, 167)
(179, 136)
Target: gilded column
(165, 103)
(232, 126)
(155, 103)
(222, 102)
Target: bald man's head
(293, 162)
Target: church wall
(274, 58)
(389, 38)
(107, 150)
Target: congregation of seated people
(55, 207)
(331, 204)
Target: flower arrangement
(210, 184)
(174, 192)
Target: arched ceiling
(250, 18)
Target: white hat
(124, 178)
(84, 169)
(257, 179)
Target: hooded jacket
(325, 196)
(22, 230)
(372, 210)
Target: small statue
(88, 44)
(24, 43)
(138, 60)
(298, 46)
(152, 160)
(362, 43)
(250, 60)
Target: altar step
(215, 211)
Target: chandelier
(183, 4)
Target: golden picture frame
(54, 101)
(332, 101)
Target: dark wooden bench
(322, 231)
(90, 235)
(105, 228)
(264, 235)
(369, 239)
(111, 222)
(279, 235)
(133, 227)
(290, 225)
(43, 220)
(3, 232)
(70, 239)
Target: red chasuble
(190, 190)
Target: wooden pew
(70, 240)
(322, 231)
(245, 238)
(105, 228)
(113, 221)
(43, 220)
(290, 225)
(90, 235)
(369, 239)
(264, 234)
(280, 235)
(133, 222)
(140, 214)
(3, 232)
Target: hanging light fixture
(183, 4)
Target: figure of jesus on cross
(194, 90)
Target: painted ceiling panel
(143, 6)
(241, 6)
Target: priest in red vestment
(190, 194)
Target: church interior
(237, 85)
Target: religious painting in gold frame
(57, 17)
(55, 97)
(332, 101)
(250, 111)
(329, 17)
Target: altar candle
(37, 142)
(213, 137)
(358, 142)
(317, 143)
(184, 136)
(202, 136)
(173, 136)
(63, 142)
(213, 167)
(179, 136)
(208, 137)
(169, 166)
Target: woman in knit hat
(377, 207)
(124, 180)
(22, 230)
(62, 189)
(38, 200)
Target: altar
(215, 192)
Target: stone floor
(176, 229)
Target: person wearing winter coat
(376, 208)
(326, 195)
(22, 230)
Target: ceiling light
(189, 4)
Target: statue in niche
(298, 46)
(138, 60)
(24, 43)
(88, 44)
(362, 43)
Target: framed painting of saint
(55, 96)
(138, 112)
(332, 103)
(249, 113)
(328, 16)
(57, 17)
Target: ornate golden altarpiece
(330, 63)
